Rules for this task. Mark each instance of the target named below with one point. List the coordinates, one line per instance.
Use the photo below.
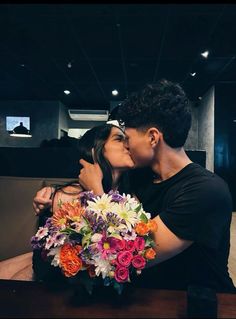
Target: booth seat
(18, 221)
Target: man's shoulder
(208, 187)
(201, 174)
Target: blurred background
(66, 67)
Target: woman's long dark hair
(95, 139)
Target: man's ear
(154, 136)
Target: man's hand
(90, 177)
(42, 200)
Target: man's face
(138, 143)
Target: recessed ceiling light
(114, 92)
(193, 74)
(205, 54)
(67, 92)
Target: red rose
(138, 262)
(139, 243)
(130, 245)
(124, 258)
(116, 243)
(121, 274)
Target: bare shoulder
(66, 194)
(72, 189)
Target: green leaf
(69, 231)
(137, 209)
(86, 240)
(144, 218)
(115, 235)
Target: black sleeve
(200, 212)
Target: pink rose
(138, 262)
(130, 245)
(124, 258)
(139, 243)
(121, 274)
(116, 243)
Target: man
(20, 129)
(191, 205)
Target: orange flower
(69, 211)
(150, 253)
(152, 225)
(74, 210)
(141, 229)
(69, 260)
(59, 218)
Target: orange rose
(69, 260)
(72, 267)
(141, 229)
(150, 253)
(152, 225)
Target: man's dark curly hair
(163, 105)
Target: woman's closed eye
(119, 138)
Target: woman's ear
(154, 136)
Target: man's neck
(168, 162)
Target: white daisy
(56, 253)
(102, 266)
(129, 216)
(101, 205)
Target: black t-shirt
(195, 205)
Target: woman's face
(115, 151)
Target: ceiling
(112, 46)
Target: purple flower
(116, 197)
(35, 244)
(85, 196)
(113, 219)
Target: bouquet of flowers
(106, 237)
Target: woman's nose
(126, 144)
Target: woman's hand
(90, 177)
(42, 200)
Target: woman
(102, 144)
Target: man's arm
(168, 244)
(42, 200)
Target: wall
(206, 126)
(192, 140)
(225, 134)
(44, 121)
(63, 119)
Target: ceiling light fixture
(193, 74)
(114, 92)
(67, 92)
(205, 54)
(69, 65)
